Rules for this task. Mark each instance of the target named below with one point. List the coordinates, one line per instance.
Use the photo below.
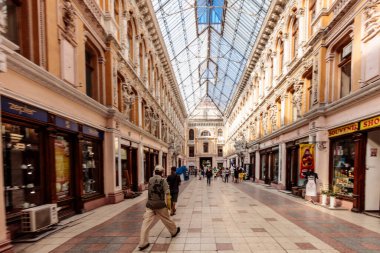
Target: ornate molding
(371, 19)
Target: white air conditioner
(39, 217)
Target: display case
(21, 154)
(343, 166)
(90, 170)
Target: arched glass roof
(209, 42)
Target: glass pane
(343, 166)
(345, 79)
(62, 166)
(21, 156)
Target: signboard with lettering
(66, 124)
(370, 123)
(23, 110)
(344, 130)
(93, 132)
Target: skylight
(209, 42)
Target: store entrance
(372, 176)
(204, 162)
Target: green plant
(332, 194)
(324, 192)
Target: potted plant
(324, 197)
(332, 199)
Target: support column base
(115, 197)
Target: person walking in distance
(209, 175)
(174, 182)
(227, 172)
(158, 191)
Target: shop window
(191, 134)
(343, 166)
(263, 169)
(62, 152)
(345, 70)
(275, 167)
(92, 172)
(205, 147)
(191, 151)
(21, 154)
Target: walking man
(158, 190)
(209, 175)
(174, 182)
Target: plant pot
(332, 202)
(324, 199)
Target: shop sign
(20, 109)
(92, 131)
(306, 158)
(344, 130)
(370, 123)
(66, 124)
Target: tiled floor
(242, 217)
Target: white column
(140, 165)
(257, 165)
(282, 169)
(322, 158)
(160, 153)
(283, 107)
(302, 29)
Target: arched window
(92, 71)
(191, 134)
(130, 40)
(141, 57)
(116, 11)
(295, 34)
(220, 133)
(205, 133)
(280, 55)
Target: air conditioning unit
(39, 217)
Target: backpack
(156, 194)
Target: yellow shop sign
(370, 123)
(344, 130)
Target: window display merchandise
(21, 153)
(89, 167)
(343, 166)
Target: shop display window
(263, 166)
(126, 180)
(21, 154)
(91, 167)
(343, 166)
(62, 151)
(275, 167)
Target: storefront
(294, 174)
(150, 161)
(252, 161)
(269, 164)
(48, 159)
(354, 163)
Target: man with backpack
(174, 182)
(158, 191)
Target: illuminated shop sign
(67, 124)
(20, 109)
(370, 123)
(344, 130)
(92, 131)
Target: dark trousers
(226, 178)
(208, 180)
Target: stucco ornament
(68, 17)
(273, 116)
(265, 123)
(128, 99)
(297, 98)
(252, 129)
(371, 18)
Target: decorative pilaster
(297, 99)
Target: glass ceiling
(209, 42)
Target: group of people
(239, 174)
